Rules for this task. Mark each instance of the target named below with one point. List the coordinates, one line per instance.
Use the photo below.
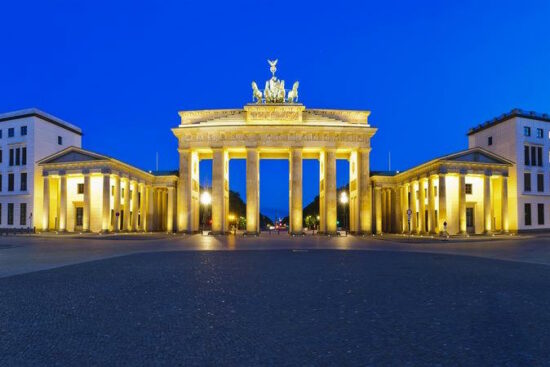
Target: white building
(27, 136)
(523, 138)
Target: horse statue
(256, 94)
(293, 93)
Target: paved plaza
(274, 300)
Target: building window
(0, 183)
(23, 183)
(1, 134)
(539, 156)
(11, 157)
(10, 214)
(0, 213)
(539, 133)
(11, 181)
(23, 130)
(24, 156)
(79, 216)
(23, 214)
(540, 182)
(540, 210)
(527, 181)
(60, 140)
(527, 161)
(18, 156)
(1, 155)
(526, 131)
(11, 132)
(490, 140)
(468, 188)
(527, 209)
(80, 188)
(533, 156)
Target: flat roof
(516, 112)
(35, 112)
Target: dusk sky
(428, 71)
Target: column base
(253, 234)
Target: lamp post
(344, 200)
(206, 200)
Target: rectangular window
(18, 156)
(468, 188)
(540, 210)
(490, 140)
(11, 181)
(1, 134)
(23, 214)
(0, 155)
(527, 214)
(526, 155)
(60, 140)
(540, 182)
(539, 156)
(0, 183)
(11, 157)
(539, 133)
(23, 183)
(527, 181)
(533, 156)
(10, 214)
(24, 156)
(80, 188)
(0, 213)
(23, 130)
(526, 131)
(11, 132)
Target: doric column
(378, 208)
(442, 211)
(487, 207)
(142, 203)
(431, 205)
(126, 218)
(397, 212)
(86, 208)
(134, 203)
(106, 202)
(46, 205)
(150, 208)
(422, 206)
(295, 188)
(365, 192)
(504, 204)
(389, 226)
(330, 190)
(404, 208)
(414, 207)
(188, 192)
(116, 203)
(62, 202)
(220, 190)
(170, 210)
(462, 202)
(252, 190)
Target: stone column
(398, 209)
(404, 208)
(86, 208)
(142, 205)
(322, 191)
(330, 191)
(504, 204)
(383, 209)
(220, 188)
(46, 205)
(487, 203)
(431, 206)
(389, 226)
(126, 219)
(150, 208)
(62, 202)
(462, 202)
(295, 188)
(106, 202)
(134, 202)
(116, 204)
(422, 206)
(365, 193)
(252, 191)
(442, 212)
(378, 208)
(170, 210)
(414, 217)
(188, 191)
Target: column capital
(364, 150)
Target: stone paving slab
(281, 307)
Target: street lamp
(206, 200)
(231, 218)
(344, 200)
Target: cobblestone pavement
(278, 307)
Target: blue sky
(428, 70)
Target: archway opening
(205, 192)
(310, 194)
(237, 195)
(274, 194)
(342, 195)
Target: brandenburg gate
(274, 126)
